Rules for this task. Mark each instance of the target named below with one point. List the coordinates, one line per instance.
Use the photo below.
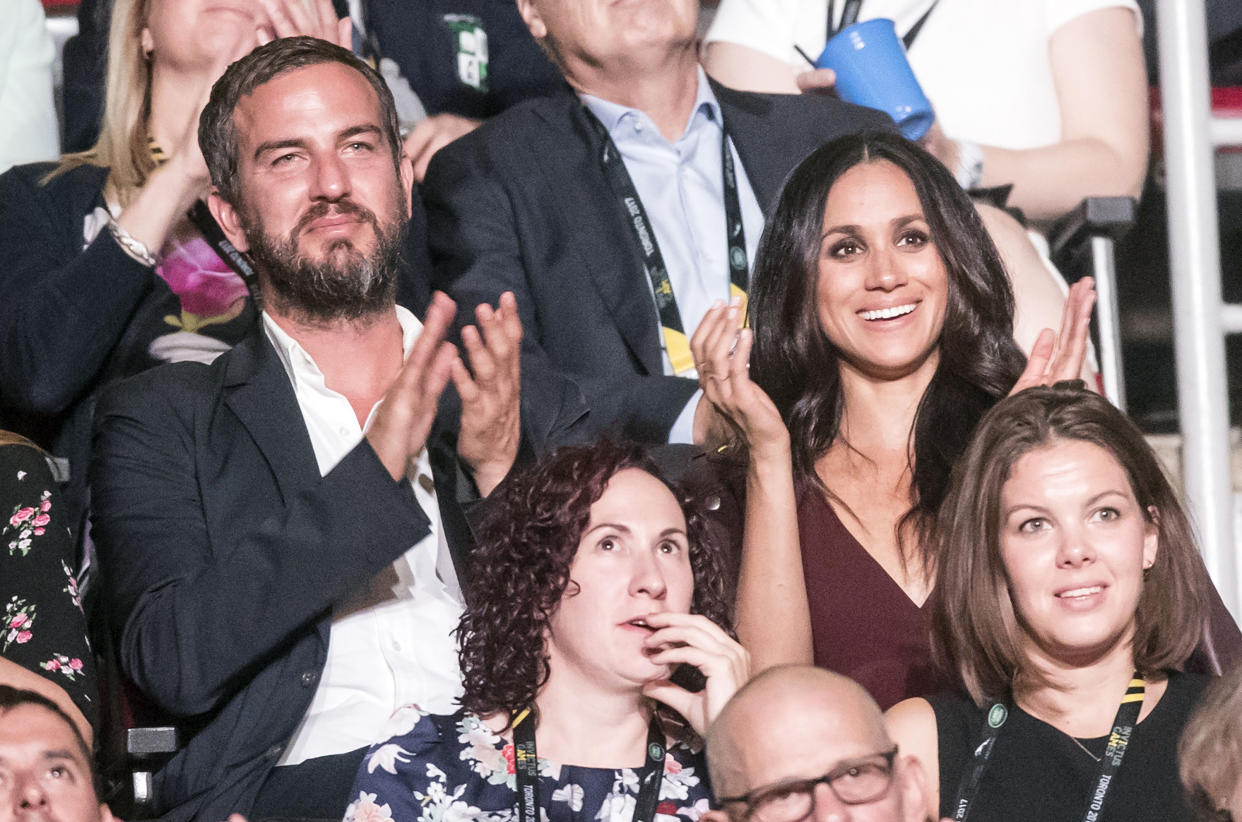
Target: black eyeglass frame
(827, 779)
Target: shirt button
(309, 678)
(343, 431)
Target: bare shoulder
(912, 725)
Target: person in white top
(283, 529)
(1048, 96)
(27, 114)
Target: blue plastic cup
(872, 70)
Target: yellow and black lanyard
(526, 766)
(676, 340)
(1118, 743)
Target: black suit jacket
(522, 204)
(222, 550)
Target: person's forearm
(773, 614)
(168, 193)
(1050, 181)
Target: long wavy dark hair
(520, 571)
(797, 365)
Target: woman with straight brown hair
(1068, 584)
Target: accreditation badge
(470, 44)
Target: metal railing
(1200, 318)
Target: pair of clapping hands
(490, 391)
(722, 356)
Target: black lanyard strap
(1118, 742)
(200, 215)
(676, 340)
(907, 39)
(206, 224)
(526, 766)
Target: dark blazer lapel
(748, 117)
(257, 390)
(569, 154)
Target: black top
(474, 58)
(1040, 774)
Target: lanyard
(676, 341)
(200, 215)
(526, 765)
(907, 39)
(1118, 742)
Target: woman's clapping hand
(722, 356)
(1060, 356)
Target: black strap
(526, 766)
(676, 341)
(1118, 742)
(909, 37)
(200, 215)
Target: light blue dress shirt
(682, 189)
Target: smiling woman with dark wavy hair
(882, 331)
(594, 579)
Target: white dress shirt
(391, 641)
(681, 186)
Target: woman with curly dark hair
(593, 581)
(883, 330)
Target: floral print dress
(439, 768)
(44, 629)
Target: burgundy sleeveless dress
(862, 622)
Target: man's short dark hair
(11, 698)
(217, 134)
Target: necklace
(1085, 749)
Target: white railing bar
(1225, 132)
(1194, 271)
(1107, 319)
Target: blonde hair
(122, 146)
(1210, 753)
(10, 438)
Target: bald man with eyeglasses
(801, 743)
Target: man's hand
(408, 409)
(491, 413)
(433, 134)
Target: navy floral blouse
(44, 629)
(439, 768)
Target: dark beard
(344, 284)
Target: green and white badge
(470, 42)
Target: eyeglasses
(856, 782)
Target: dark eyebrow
(354, 131)
(616, 526)
(896, 222)
(59, 753)
(296, 142)
(625, 529)
(276, 145)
